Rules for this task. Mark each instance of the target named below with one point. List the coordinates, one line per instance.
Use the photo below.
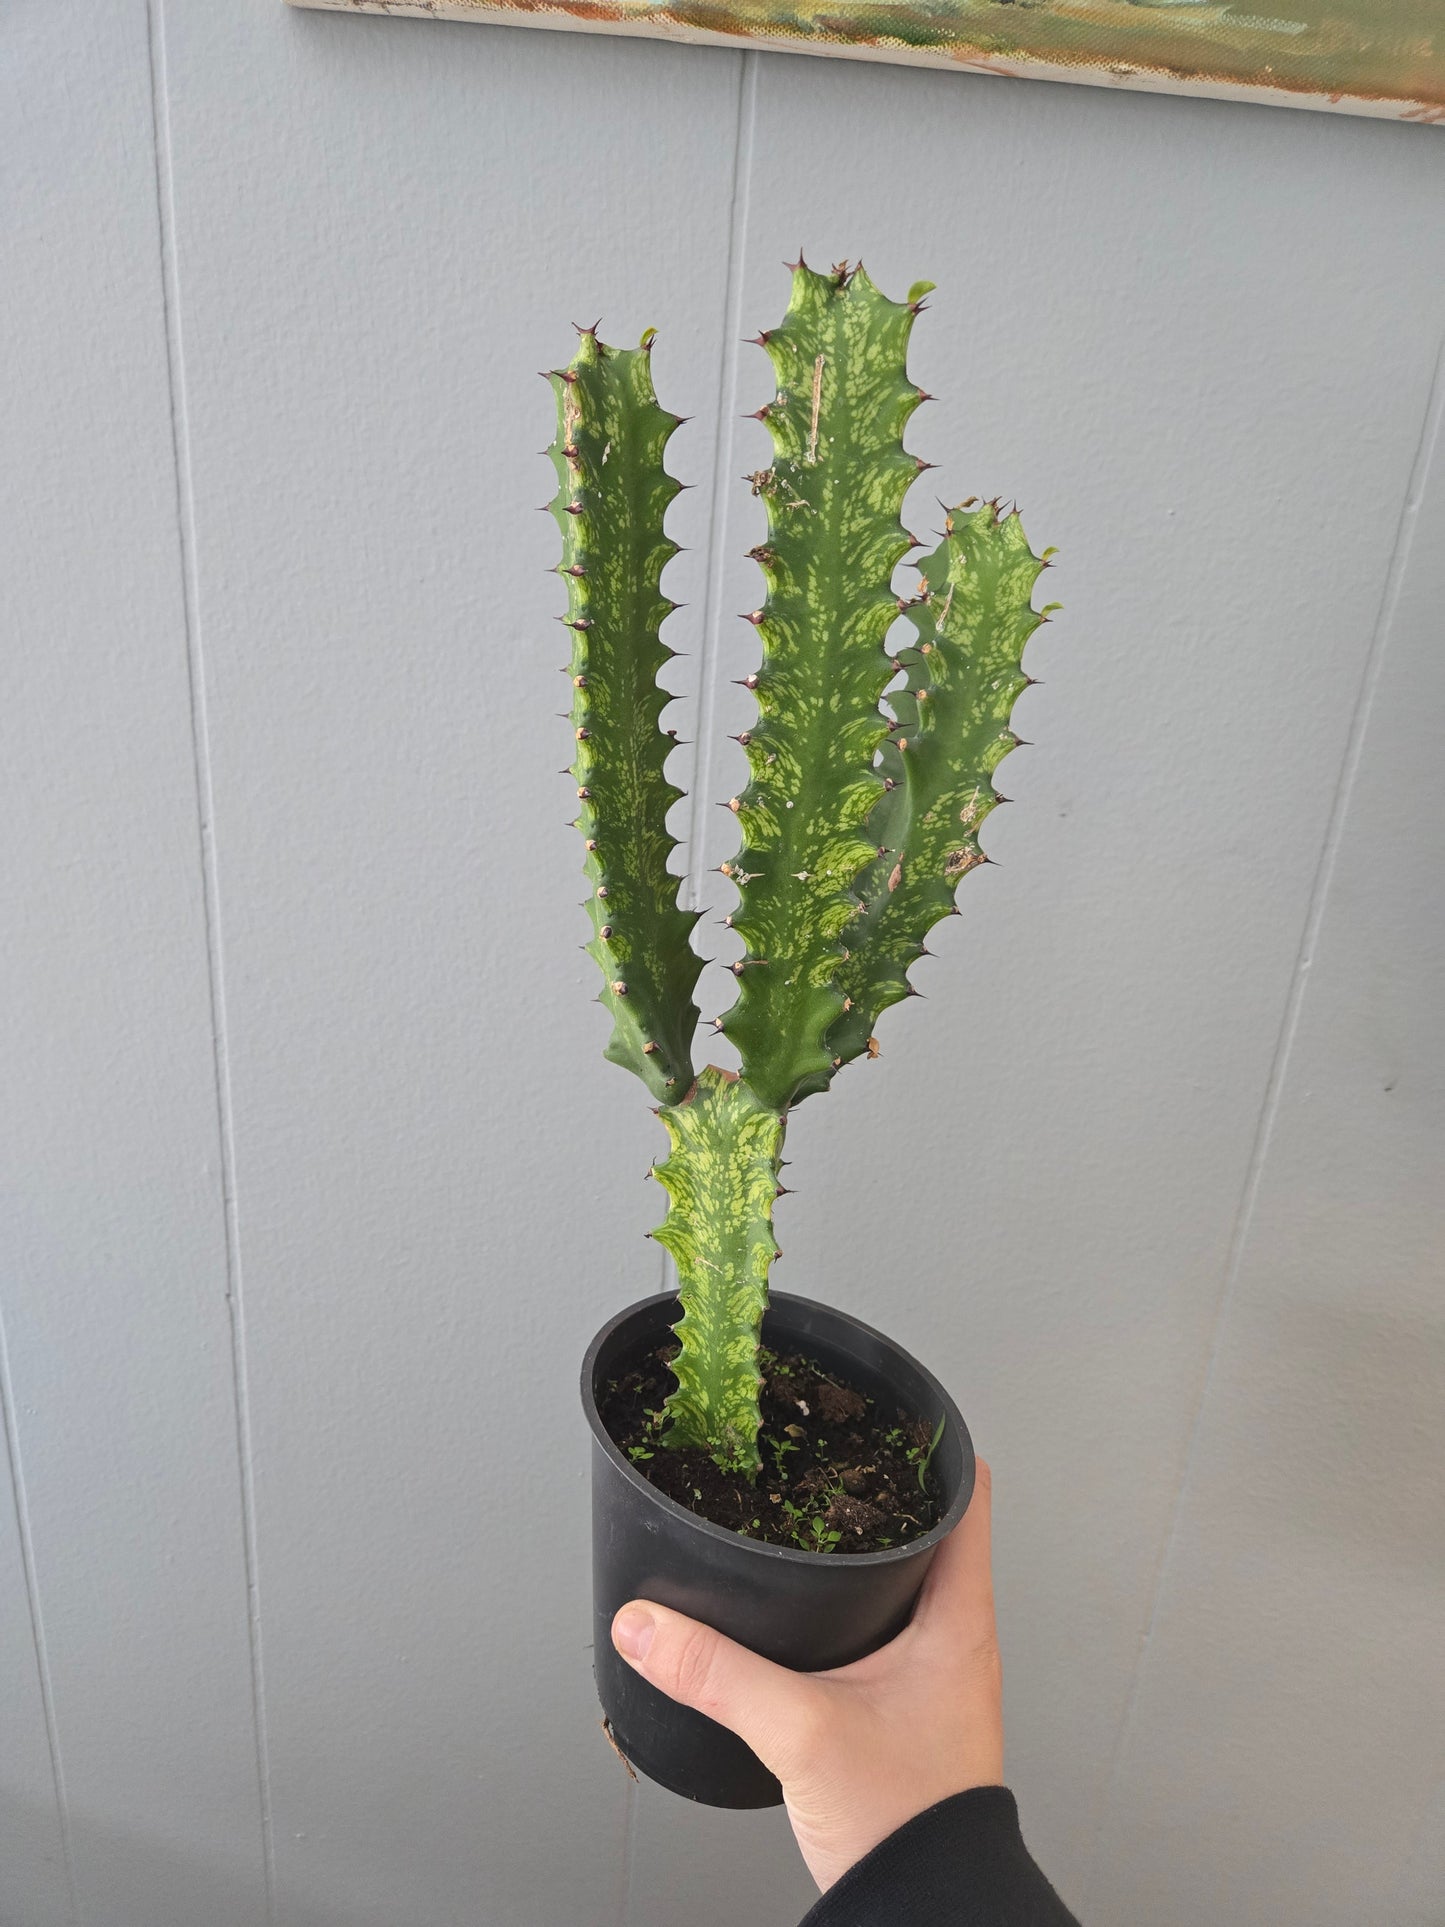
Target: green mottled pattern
(612, 496)
(862, 810)
(951, 731)
(721, 1177)
(833, 493)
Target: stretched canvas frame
(1378, 57)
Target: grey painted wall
(314, 1180)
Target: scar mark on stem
(817, 404)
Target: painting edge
(1125, 78)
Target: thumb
(772, 1710)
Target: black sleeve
(962, 1863)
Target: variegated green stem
(721, 1177)
(612, 495)
(950, 733)
(833, 497)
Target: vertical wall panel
(1148, 332)
(384, 229)
(1285, 1760)
(33, 1888)
(697, 1864)
(114, 1285)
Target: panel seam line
(37, 1632)
(710, 652)
(629, 1850)
(1284, 1044)
(210, 900)
(722, 451)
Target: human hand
(863, 1748)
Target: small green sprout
(927, 1458)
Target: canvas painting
(1382, 57)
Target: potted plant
(773, 1466)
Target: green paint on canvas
(1373, 50)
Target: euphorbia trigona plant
(866, 793)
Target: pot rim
(797, 1555)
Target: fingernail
(632, 1632)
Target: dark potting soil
(838, 1475)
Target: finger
(773, 1710)
(957, 1598)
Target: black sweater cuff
(963, 1863)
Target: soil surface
(838, 1474)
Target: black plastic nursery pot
(806, 1610)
